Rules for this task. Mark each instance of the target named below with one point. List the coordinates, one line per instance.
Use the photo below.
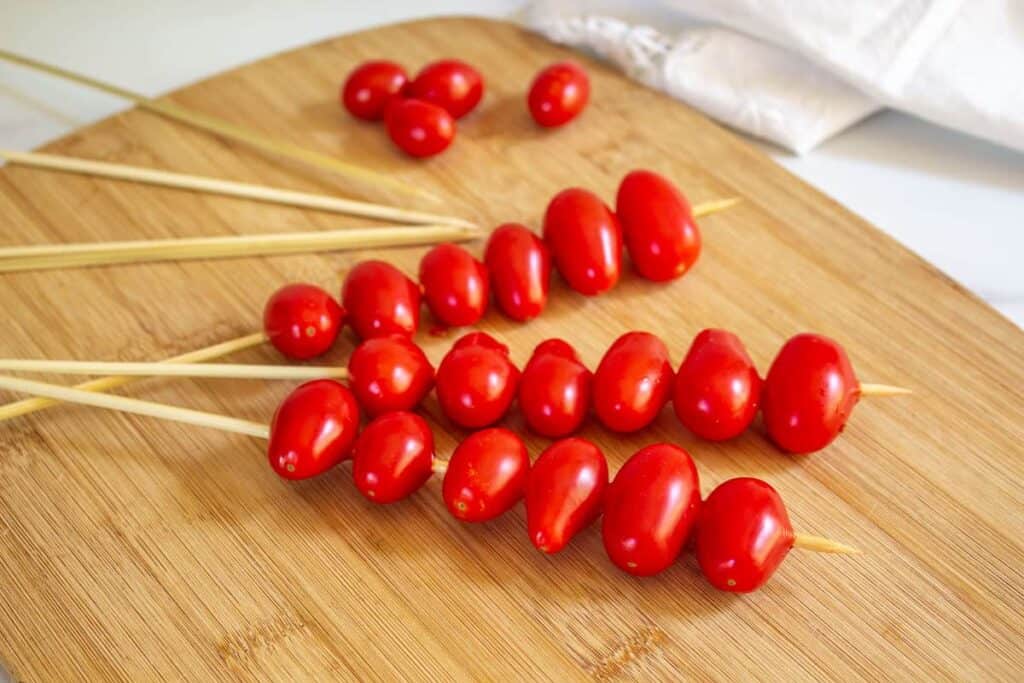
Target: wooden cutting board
(134, 549)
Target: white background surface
(957, 201)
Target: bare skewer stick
(158, 369)
(224, 129)
(882, 390)
(714, 206)
(227, 188)
(820, 544)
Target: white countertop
(957, 201)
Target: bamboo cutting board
(132, 549)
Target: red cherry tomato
(558, 94)
(649, 509)
(453, 85)
(520, 268)
(389, 374)
(808, 394)
(313, 429)
(381, 300)
(657, 223)
(717, 387)
(585, 240)
(554, 391)
(633, 382)
(564, 492)
(420, 129)
(476, 381)
(742, 535)
(302, 321)
(393, 457)
(370, 87)
(455, 285)
(486, 475)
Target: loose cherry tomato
(520, 268)
(393, 457)
(455, 285)
(420, 129)
(476, 381)
(389, 374)
(564, 492)
(633, 382)
(451, 84)
(381, 300)
(313, 429)
(717, 387)
(554, 392)
(486, 475)
(742, 535)
(657, 223)
(302, 321)
(585, 240)
(370, 87)
(649, 509)
(808, 394)
(558, 94)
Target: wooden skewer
(820, 544)
(228, 188)
(227, 130)
(31, 405)
(715, 206)
(211, 370)
(882, 390)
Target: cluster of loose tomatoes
(420, 113)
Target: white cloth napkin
(796, 72)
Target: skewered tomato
(486, 475)
(657, 223)
(453, 85)
(476, 381)
(420, 129)
(558, 94)
(564, 493)
(388, 374)
(520, 268)
(370, 88)
(302, 320)
(393, 457)
(455, 285)
(585, 240)
(313, 429)
(633, 382)
(381, 300)
(554, 392)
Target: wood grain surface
(138, 550)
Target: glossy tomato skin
(418, 128)
(742, 535)
(717, 387)
(657, 224)
(453, 85)
(370, 88)
(564, 493)
(558, 94)
(302, 320)
(476, 381)
(313, 429)
(455, 285)
(381, 300)
(650, 508)
(633, 382)
(520, 268)
(554, 391)
(393, 457)
(809, 393)
(486, 475)
(388, 374)
(585, 241)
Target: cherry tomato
(476, 381)
(486, 475)
(554, 391)
(455, 285)
(649, 509)
(381, 300)
(302, 321)
(420, 129)
(717, 387)
(388, 374)
(453, 85)
(585, 240)
(558, 94)
(657, 223)
(313, 429)
(393, 457)
(564, 492)
(808, 394)
(520, 268)
(370, 87)
(633, 382)
(742, 535)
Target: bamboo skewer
(820, 544)
(882, 390)
(228, 188)
(160, 369)
(714, 206)
(224, 129)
